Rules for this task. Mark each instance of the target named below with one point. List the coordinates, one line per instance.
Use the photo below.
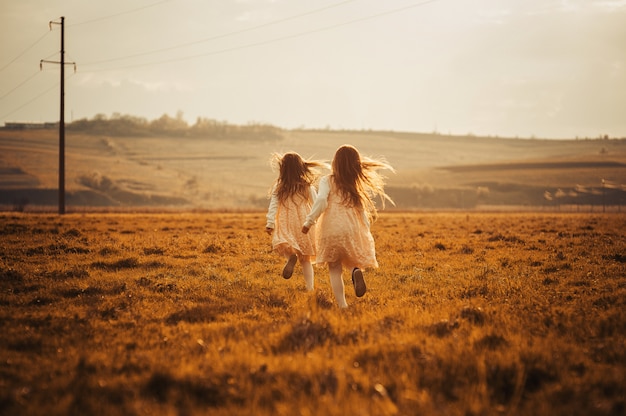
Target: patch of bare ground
(468, 314)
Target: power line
(48, 57)
(23, 52)
(30, 101)
(296, 35)
(237, 32)
(19, 85)
(250, 45)
(119, 14)
(25, 81)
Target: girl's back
(343, 231)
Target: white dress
(286, 218)
(342, 232)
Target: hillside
(433, 171)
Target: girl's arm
(271, 212)
(305, 229)
(313, 193)
(319, 205)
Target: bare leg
(336, 282)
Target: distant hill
(228, 168)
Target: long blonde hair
(295, 175)
(357, 179)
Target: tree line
(131, 126)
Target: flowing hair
(358, 181)
(295, 175)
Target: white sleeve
(271, 211)
(313, 193)
(320, 202)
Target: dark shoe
(358, 282)
(288, 269)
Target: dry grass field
(187, 314)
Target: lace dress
(286, 218)
(342, 233)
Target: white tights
(334, 269)
(307, 271)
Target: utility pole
(62, 116)
(603, 196)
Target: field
(433, 171)
(187, 313)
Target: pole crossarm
(45, 61)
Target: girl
(291, 198)
(345, 210)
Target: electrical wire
(19, 85)
(292, 36)
(118, 14)
(163, 49)
(24, 51)
(39, 40)
(237, 32)
(251, 45)
(41, 94)
(27, 79)
(30, 101)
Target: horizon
(115, 116)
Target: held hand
(305, 229)
(269, 230)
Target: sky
(506, 68)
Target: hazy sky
(525, 68)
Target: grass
(469, 314)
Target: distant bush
(131, 126)
(117, 125)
